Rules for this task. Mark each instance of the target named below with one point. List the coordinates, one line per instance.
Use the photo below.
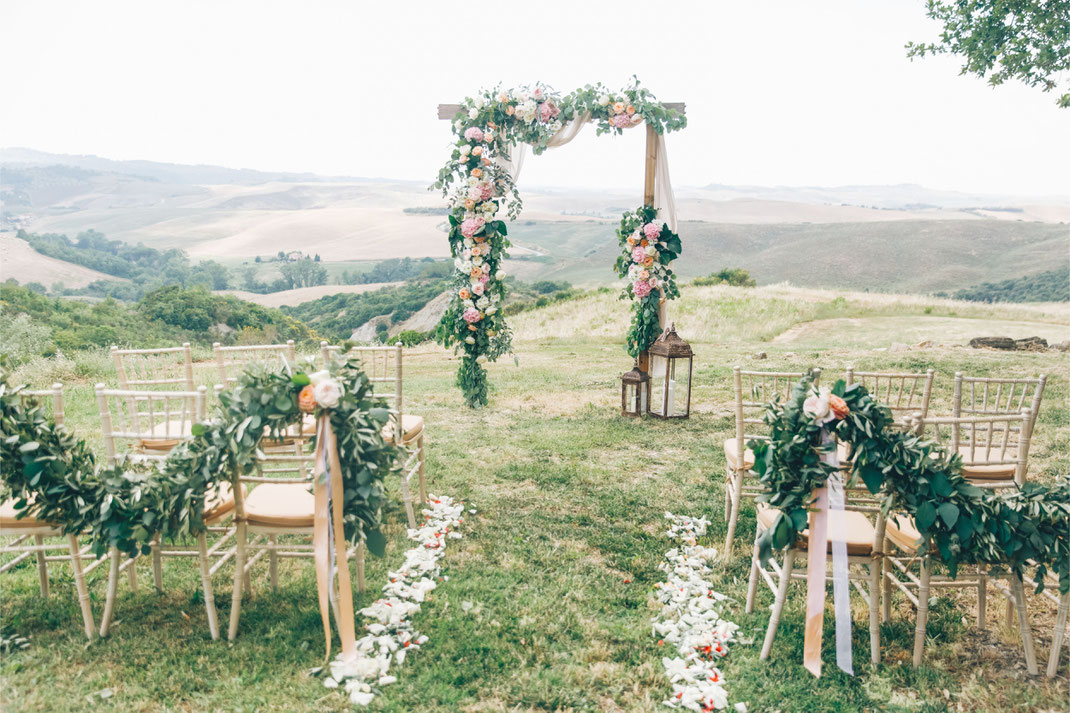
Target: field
(303, 294)
(548, 601)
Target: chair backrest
(904, 393)
(231, 361)
(168, 368)
(753, 391)
(41, 397)
(983, 396)
(153, 422)
(383, 368)
(994, 439)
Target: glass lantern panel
(679, 387)
(629, 398)
(658, 370)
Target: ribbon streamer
(329, 542)
(828, 498)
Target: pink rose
(473, 133)
(471, 315)
(538, 92)
(484, 278)
(652, 231)
(477, 288)
(488, 191)
(548, 112)
(621, 121)
(638, 253)
(471, 226)
(640, 288)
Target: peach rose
(648, 262)
(618, 107)
(486, 161)
(643, 242)
(630, 110)
(510, 110)
(476, 273)
(477, 172)
(478, 150)
(838, 406)
(469, 204)
(631, 241)
(464, 293)
(306, 400)
(473, 328)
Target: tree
(257, 260)
(317, 258)
(1027, 40)
(303, 273)
(212, 274)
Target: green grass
(561, 558)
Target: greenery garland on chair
(967, 524)
(478, 185)
(54, 476)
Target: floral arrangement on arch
(647, 248)
(479, 188)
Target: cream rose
(327, 392)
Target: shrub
(412, 337)
(735, 276)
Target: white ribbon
(841, 586)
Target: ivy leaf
(198, 429)
(300, 380)
(949, 513)
(941, 485)
(872, 477)
(376, 542)
(925, 516)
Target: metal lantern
(670, 376)
(634, 392)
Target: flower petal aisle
(690, 621)
(391, 636)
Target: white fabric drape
(664, 200)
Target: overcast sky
(778, 93)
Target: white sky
(778, 93)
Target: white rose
(604, 100)
(473, 113)
(469, 340)
(651, 250)
(479, 102)
(817, 406)
(477, 261)
(492, 309)
(500, 275)
(482, 302)
(327, 393)
(481, 359)
(319, 376)
(466, 254)
(465, 149)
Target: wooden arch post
(448, 112)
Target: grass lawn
(559, 563)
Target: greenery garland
(967, 524)
(647, 249)
(488, 127)
(54, 476)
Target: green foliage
(1027, 40)
(335, 316)
(735, 276)
(1050, 286)
(305, 272)
(411, 337)
(966, 524)
(654, 271)
(145, 268)
(397, 270)
(54, 476)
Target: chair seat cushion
(860, 531)
(987, 471)
(410, 426)
(9, 517)
(219, 500)
(731, 454)
(166, 435)
(903, 533)
(281, 505)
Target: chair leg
(1018, 590)
(406, 497)
(875, 575)
(113, 588)
(1059, 635)
(359, 557)
(923, 611)
(157, 565)
(206, 585)
(778, 605)
(982, 599)
(752, 582)
(737, 486)
(273, 562)
(239, 570)
(42, 565)
(886, 586)
(1008, 614)
(421, 443)
(80, 586)
(131, 573)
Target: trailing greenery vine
(966, 524)
(647, 249)
(55, 478)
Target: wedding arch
(493, 131)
